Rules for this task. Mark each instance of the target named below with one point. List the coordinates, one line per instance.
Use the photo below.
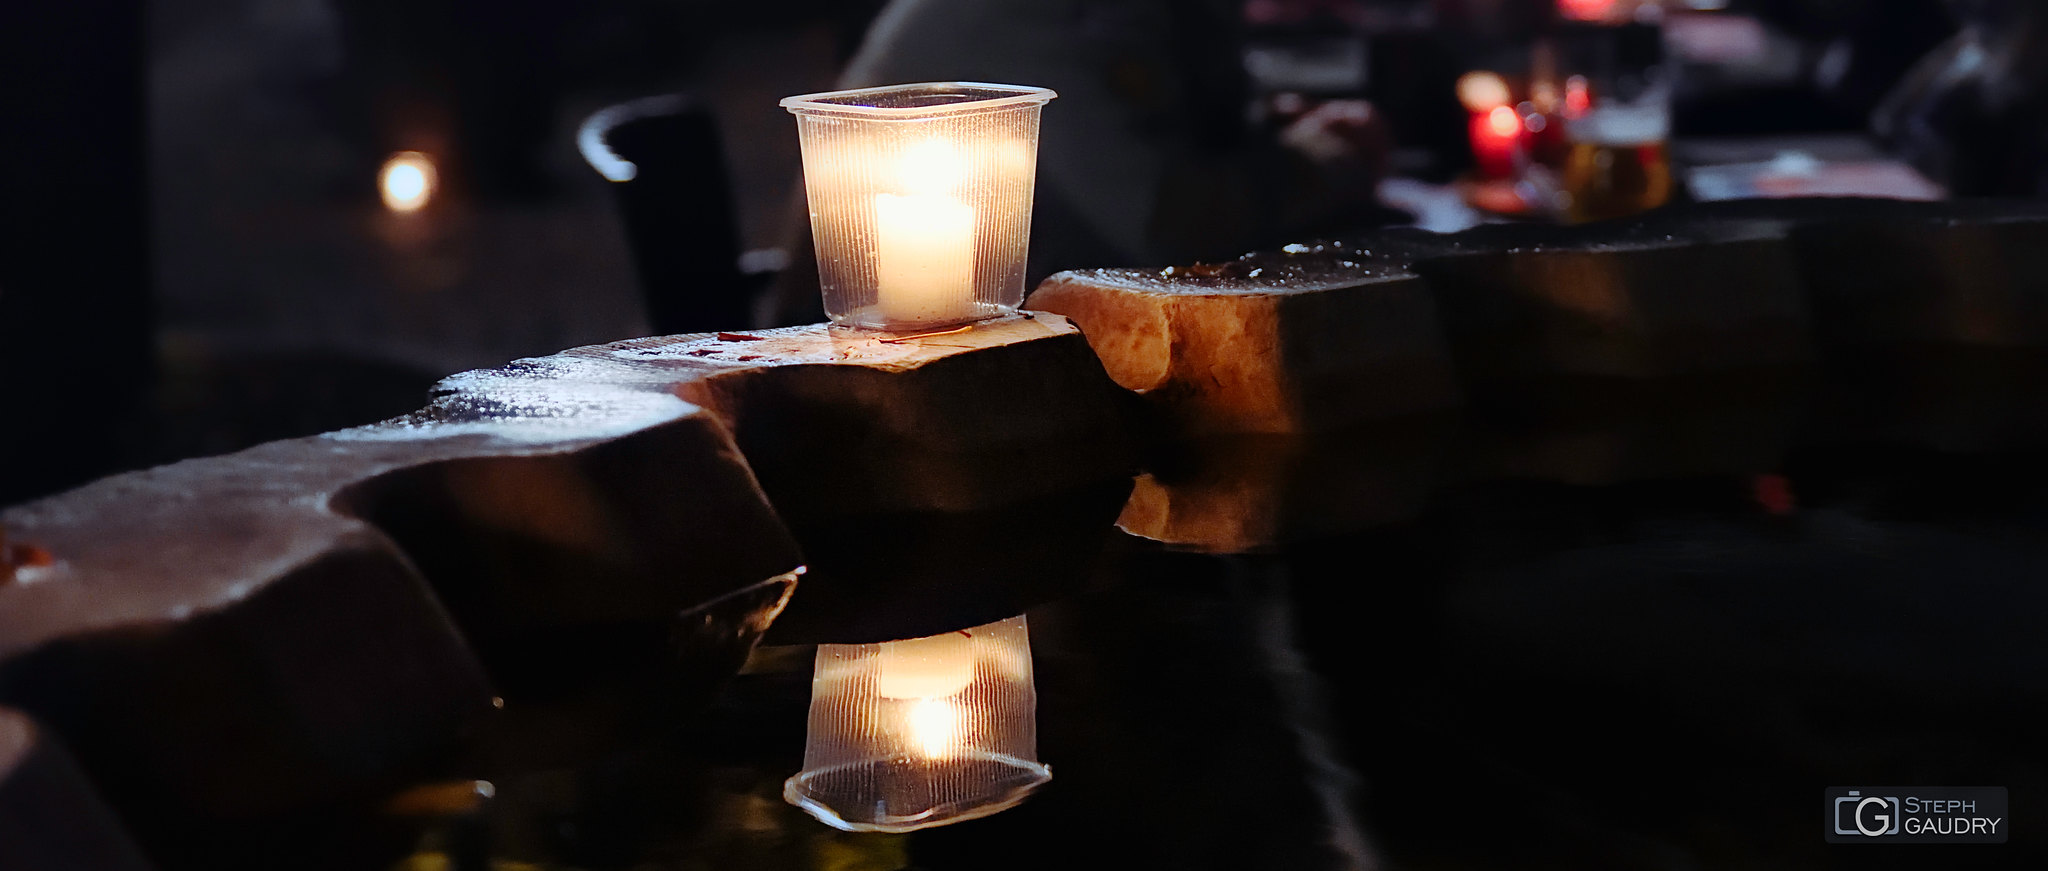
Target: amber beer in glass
(1613, 180)
(1615, 93)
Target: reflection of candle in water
(909, 734)
(934, 727)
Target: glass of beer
(1617, 121)
(1618, 163)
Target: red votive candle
(1496, 141)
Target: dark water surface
(1636, 632)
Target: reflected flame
(407, 181)
(934, 727)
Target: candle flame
(1503, 122)
(407, 181)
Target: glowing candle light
(920, 199)
(924, 240)
(925, 668)
(1482, 91)
(1578, 97)
(934, 727)
(407, 181)
(921, 732)
(1497, 141)
(924, 259)
(1586, 10)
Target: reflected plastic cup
(910, 734)
(920, 199)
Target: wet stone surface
(1615, 610)
(1265, 344)
(1730, 642)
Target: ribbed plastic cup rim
(1031, 776)
(981, 97)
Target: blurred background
(229, 221)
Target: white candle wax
(925, 668)
(924, 258)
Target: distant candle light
(1497, 142)
(921, 732)
(1482, 91)
(1585, 10)
(1504, 122)
(1578, 97)
(407, 181)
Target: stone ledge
(231, 640)
(225, 640)
(1264, 344)
(1631, 300)
(839, 422)
(1889, 273)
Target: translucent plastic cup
(911, 734)
(920, 199)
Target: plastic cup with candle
(920, 200)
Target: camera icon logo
(1868, 815)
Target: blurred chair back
(668, 172)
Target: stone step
(312, 623)
(1269, 344)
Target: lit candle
(1497, 141)
(924, 239)
(925, 668)
(1495, 129)
(924, 258)
(920, 199)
